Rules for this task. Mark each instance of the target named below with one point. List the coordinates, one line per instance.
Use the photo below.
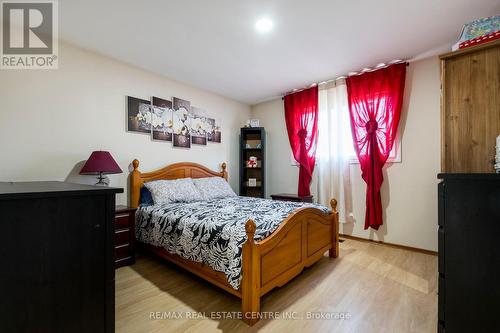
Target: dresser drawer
(122, 221)
(122, 236)
(441, 201)
(122, 251)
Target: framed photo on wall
(138, 115)
(173, 121)
(198, 126)
(162, 124)
(181, 123)
(214, 130)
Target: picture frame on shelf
(252, 182)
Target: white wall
(51, 120)
(409, 192)
(281, 175)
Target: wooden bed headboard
(173, 171)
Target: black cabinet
(469, 253)
(253, 162)
(57, 257)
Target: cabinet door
(55, 278)
(471, 107)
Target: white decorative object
(497, 156)
(254, 122)
(252, 182)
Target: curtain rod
(364, 70)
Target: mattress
(212, 232)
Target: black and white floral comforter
(212, 232)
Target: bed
(262, 258)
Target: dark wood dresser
(469, 253)
(124, 236)
(292, 197)
(57, 257)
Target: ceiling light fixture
(264, 25)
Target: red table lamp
(100, 163)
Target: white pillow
(213, 188)
(176, 190)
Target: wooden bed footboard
(300, 241)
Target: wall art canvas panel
(138, 115)
(181, 123)
(214, 130)
(198, 126)
(161, 121)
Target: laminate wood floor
(372, 287)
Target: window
(346, 137)
(394, 156)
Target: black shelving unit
(252, 143)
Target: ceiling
(213, 44)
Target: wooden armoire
(469, 194)
(470, 108)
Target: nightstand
(124, 236)
(292, 197)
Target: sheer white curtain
(335, 148)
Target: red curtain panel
(301, 117)
(375, 100)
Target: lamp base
(101, 180)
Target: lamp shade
(100, 162)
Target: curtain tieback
(371, 126)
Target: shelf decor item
(254, 123)
(252, 182)
(100, 163)
(252, 162)
(478, 32)
(253, 144)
